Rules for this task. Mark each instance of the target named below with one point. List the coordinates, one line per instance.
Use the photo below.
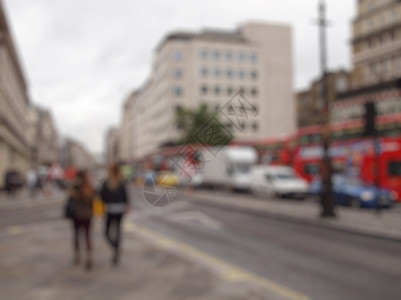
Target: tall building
(113, 144)
(42, 136)
(126, 130)
(376, 55)
(72, 153)
(376, 42)
(310, 102)
(252, 64)
(14, 148)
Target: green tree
(193, 123)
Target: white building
(212, 67)
(42, 136)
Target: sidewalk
(387, 224)
(22, 199)
(35, 263)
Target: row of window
(386, 107)
(218, 91)
(205, 90)
(370, 5)
(229, 73)
(379, 41)
(377, 22)
(384, 67)
(230, 56)
(245, 126)
(218, 73)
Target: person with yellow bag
(115, 198)
(98, 207)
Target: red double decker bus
(350, 151)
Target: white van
(229, 166)
(278, 181)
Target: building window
(390, 66)
(254, 92)
(178, 73)
(241, 91)
(204, 89)
(177, 55)
(254, 75)
(241, 57)
(242, 125)
(253, 57)
(394, 16)
(255, 126)
(384, 67)
(229, 56)
(203, 72)
(230, 91)
(341, 84)
(241, 74)
(371, 25)
(216, 55)
(203, 54)
(217, 73)
(217, 107)
(217, 90)
(229, 73)
(178, 91)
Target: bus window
(311, 169)
(338, 167)
(394, 168)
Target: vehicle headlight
(367, 196)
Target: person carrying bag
(79, 208)
(114, 195)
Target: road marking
(198, 217)
(16, 229)
(227, 270)
(148, 212)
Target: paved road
(320, 263)
(317, 262)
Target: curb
(199, 200)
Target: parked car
(352, 191)
(278, 181)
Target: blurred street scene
(228, 155)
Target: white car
(278, 181)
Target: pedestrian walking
(114, 195)
(81, 211)
(31, 181)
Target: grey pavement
(35, 263)
(23, 199)
(386, 224)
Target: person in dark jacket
(114, 195)
(82, 194)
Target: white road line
(197, 217)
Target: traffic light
(370, 116)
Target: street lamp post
(327, 199)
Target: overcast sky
(82, 57)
